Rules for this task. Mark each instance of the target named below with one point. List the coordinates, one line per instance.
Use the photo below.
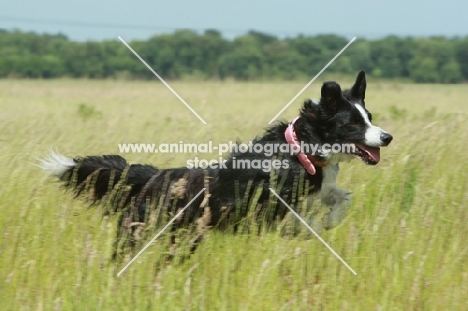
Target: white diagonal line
(313, 79)
(312, 230)
(162, 80)
(160, 232)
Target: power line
(75, 23)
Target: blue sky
(97, 20)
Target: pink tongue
(373, 152)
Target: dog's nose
(386, 138)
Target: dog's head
(341, 118)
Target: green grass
(406, 236)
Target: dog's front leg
(339, 202)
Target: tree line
(253, 56)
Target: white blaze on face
(373, 133)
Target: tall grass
(406, 236)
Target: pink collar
(307, 161)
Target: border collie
(136, 191)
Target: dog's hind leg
(202, 223)
(195, 219)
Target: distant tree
(7, 65)
(254, 55)
(212, 47)
(160, 53)
(262, 38)
(405, 49)
(385, 58)
(281, 61)
(461, 55)
(244, 61)
(51, 66)
(331, 42)
(442, 66)
(424, 70)
(312, 51)
(187, 52)
(451, 72)
(243, 64)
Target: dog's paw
(339, 203)
(316, 225)
(336, 196)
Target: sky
(97, 20)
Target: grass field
(406, 237)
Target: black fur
(231, 191)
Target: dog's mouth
(369, 155)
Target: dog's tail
(97, 174)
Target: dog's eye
(353, 124)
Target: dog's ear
(358, 90)
(331, 95)
(310, 109)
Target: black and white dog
(338, 118)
